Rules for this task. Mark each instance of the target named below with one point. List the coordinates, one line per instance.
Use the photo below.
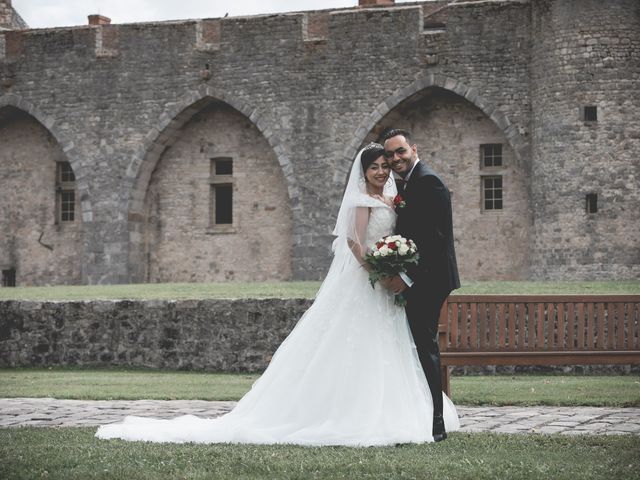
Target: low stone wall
(214, 335)
(221, 335)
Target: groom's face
(400, 154)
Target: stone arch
(41, 239)
(163, 134)
(171, 126)
(449, 130)
(67, 145)
(503, 123)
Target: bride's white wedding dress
(348, 374)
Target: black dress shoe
(439, 433)
(438, 437)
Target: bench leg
(446, 380)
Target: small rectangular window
(223, 195)
(592, 203)
(67, 205)
(223, 166)
(222, 183)
(492, 193)
(65, 193)
(434, 27)
(590, 114)
(9, 277)
(490, 155)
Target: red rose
(399, 202)
(393, 246)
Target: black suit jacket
(427, 220)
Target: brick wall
(43, 250)
(585, 56)
(315, 85)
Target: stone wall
(222, 335)
(213, 335)
(34, 241)
(183, 243)
(584, 58)
(311, 87)
(490, 244)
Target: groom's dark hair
(393, 132)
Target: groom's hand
(396, 284)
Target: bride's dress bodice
(382, 221)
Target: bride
(348, 373)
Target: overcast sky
(58, 13)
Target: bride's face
(378, 172)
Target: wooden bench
(538, 330)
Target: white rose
(376, 253)
(403, 250)
(384, 251)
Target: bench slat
(540, 327)
(590, 326)
(601, 321)
(571, 322)
(531, 324)
(582, 321)
(611, 322)
(453, 324)
(521, 326)
(511, 326)
(473, 327)
(492, 326)
(633, 326)
(620, 326)
(482, 326)
(464, 335)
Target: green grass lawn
(178, 291)
(74, 453)
(568, 390)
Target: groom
(426, 219)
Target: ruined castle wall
(315, 85)
(34, 242)
(586, 56)
(490, 244)
(183, 241)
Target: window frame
(493, 156)
(483, 193)
(65, 187)
(216, 181)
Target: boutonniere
(398, 202)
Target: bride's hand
(396, 284)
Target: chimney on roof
(376, 3)
(99, 20)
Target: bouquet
(388, 257)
